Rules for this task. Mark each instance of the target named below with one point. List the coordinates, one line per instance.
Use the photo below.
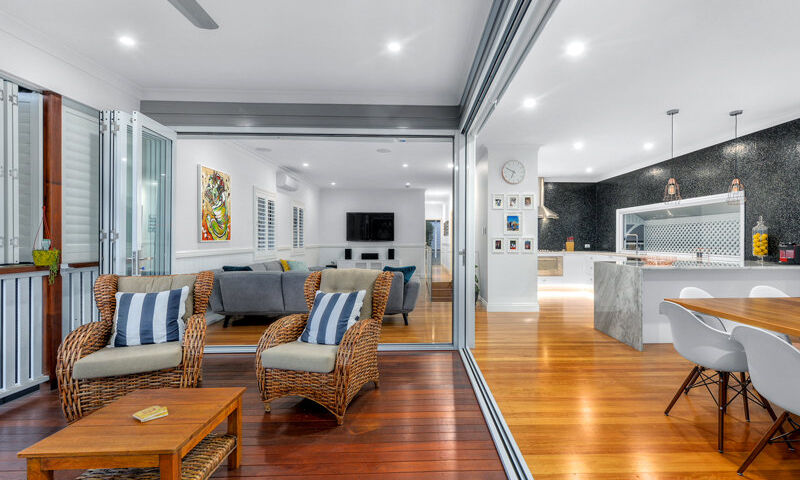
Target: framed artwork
(513, 245)
(527, 201)
(215, 205)
(512, 223)
(498, 201)
(526, 245)
(512, 201)
(498, 245)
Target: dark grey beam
(300, 115)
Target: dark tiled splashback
(769, 166)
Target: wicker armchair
(80, 397)
(356, 357)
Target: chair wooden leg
(694, 379)
(686, 382)
(722, 398)
(266, 407)
(763, 442)
(743, 379)
(772, 415)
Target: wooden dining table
(780, 314)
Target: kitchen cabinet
(577, 268)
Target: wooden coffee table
(111, 438)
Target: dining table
(779, 314)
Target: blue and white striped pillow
(331, 316)
(148, 318)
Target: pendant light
(672, 192)
(736, 194)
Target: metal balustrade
(21, 331)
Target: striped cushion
(331, 316)
(149, 318)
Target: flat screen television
(370, 227)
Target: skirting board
(512, 307)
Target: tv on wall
(370, 227)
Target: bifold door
(136, 195)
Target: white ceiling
(355, 163)
(642, 58)
(274, 50)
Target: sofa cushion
(294, 299)
(300, 356)
(351, 280)
(406, 271)
(297, 266)
(159, 284)
(111, 362)
(331, 316)
(274, 266)
(252, 292)
(237, 268)
(148, 318)
(394, 304)
(258, 267)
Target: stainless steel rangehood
(544, 212)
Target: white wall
(408, 206)
(246, 171)
(36, 61)
(481, 210)
(512, 277)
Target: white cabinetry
(578, 268)
(369, 264)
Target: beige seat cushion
(300, 356)
(111, 362)
(351, 280)
(160, 284)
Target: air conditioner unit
(286, 183)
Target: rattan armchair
(356, 358)
(80, 397)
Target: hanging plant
(45, 255)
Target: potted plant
(46, 255)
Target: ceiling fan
(195, 13)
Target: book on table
(151, 413)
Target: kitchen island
(627, 293)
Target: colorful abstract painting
(215, 205)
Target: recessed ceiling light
(578, 145)
(333, 184)
(450, 165)
(575, 49)
(383, 150)
(305, 164)
(529, 102)
(405, 165)
(394, 47)
(408, 184)
(589, 170)
(127, 41)
(648, 145)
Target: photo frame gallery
(527, 202)
(512, 223)
(512, 201)
(513, 245)
(498, 201)
(498, 245)
(526, 245)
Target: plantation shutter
(298, 240)
(265, 222)
(270, 225)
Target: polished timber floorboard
(423, 423)
(583, 406)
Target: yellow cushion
(285, 265)
(346, 280)
(160, 284)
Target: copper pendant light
(672, 192)
(736, 194)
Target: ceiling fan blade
(195, 13)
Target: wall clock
(513, 172)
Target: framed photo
(527, 201)
(512, 201)
(526, 245)
(498, 201)
(512, 223)
(513, 245)
(498, 245)
(215, 205)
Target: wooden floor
(584, 406)
(424, 422)
(430, 322)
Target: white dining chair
(767, 291)
(773, 366)
(710, 320)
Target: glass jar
(760, 239)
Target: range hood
(544, 212)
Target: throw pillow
(285, 265)
(406, 271)
(149, 318)
(234, 268)
(297, 266)
(331, 316)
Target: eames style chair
(773, 366)
(767, 291)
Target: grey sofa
(267, 290)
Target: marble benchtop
(692, 265)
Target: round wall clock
(513, 172)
